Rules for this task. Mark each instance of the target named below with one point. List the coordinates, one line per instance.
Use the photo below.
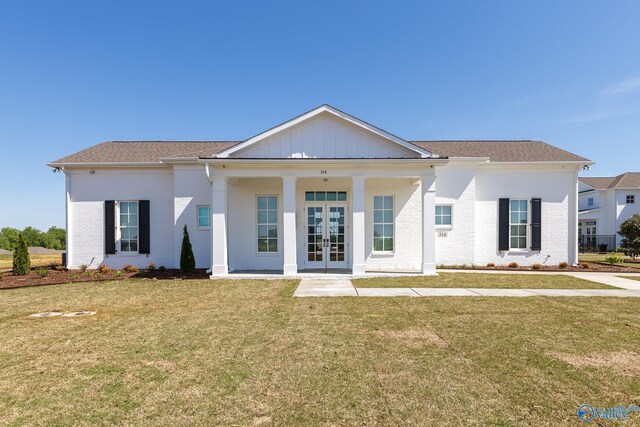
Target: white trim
(319, 110)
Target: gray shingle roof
(145, 151)
(153, 151)
(625, 180)
(501, 151)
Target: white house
(324, 190)
(605, 203)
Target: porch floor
(320, 273)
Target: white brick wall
(88, 193)
(174, 195)
(408, 224)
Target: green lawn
(169, 353)
(630, 277)
(481, 280)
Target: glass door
(326, 235)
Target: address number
(442, 234)
(323, 172)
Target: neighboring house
(324, 190)
(605, 203)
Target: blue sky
(73, 74)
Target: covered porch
(309, 217)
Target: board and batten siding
(325, 136)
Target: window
(631, 198)
(518, 223)
(590, 201)
(204, 217)
(128, 226)
(321, 196)
(383, 223)
(443, 215)
(267, 224)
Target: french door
(326, 227)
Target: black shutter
(109, 227)
(503, 224)
(536, 226)
(143, 227)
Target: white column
(67, 219)
(573, 222)
(429, 224)
(289, 225)
(219, 264)
(357, 225)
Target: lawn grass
(247, 353)
(630, 277)
(481, 280)
(601, 258)
(6, 261)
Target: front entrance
(326, 235)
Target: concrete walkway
(334, 288)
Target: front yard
(481, 280)
(247, 353)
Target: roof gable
(625, 180)
(325, 132)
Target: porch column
(357, 225)
(219, 263)
(289, 224)
(429, 224)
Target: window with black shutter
(109, 227)
(503, 224)
(536, 224)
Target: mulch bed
(55, 277)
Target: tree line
(53, 238)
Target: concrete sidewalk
(340, 288)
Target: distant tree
(58, 238)
(21, 261)
(32, 236)
(187, 260)
(630, 231)
(9, 238)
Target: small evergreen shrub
(151, 266)
(513, 265)
(614, 259)
(187, 260)
(584, 265)
(536, 266)
(491, 265)
(563, 265)
(21, 260)
(42, 272)
(118, 273)
(162, 268)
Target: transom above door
(326, 233)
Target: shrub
(42, 272)
(84, 267)
(103, 269)
(151, 266)
(536, 266)
(614, 259)
(563, 265)
(584, 265)
(513, 265)
(630, 231)
(491, 265)
(118, 273)
(1, 275)
(131, 269)
(21, 260)
(162, 268)
(187, 260)
(60, 267)
(74, 276)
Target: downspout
(67, 215)
(207, 170)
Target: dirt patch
(623, 362)
(417, 337)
